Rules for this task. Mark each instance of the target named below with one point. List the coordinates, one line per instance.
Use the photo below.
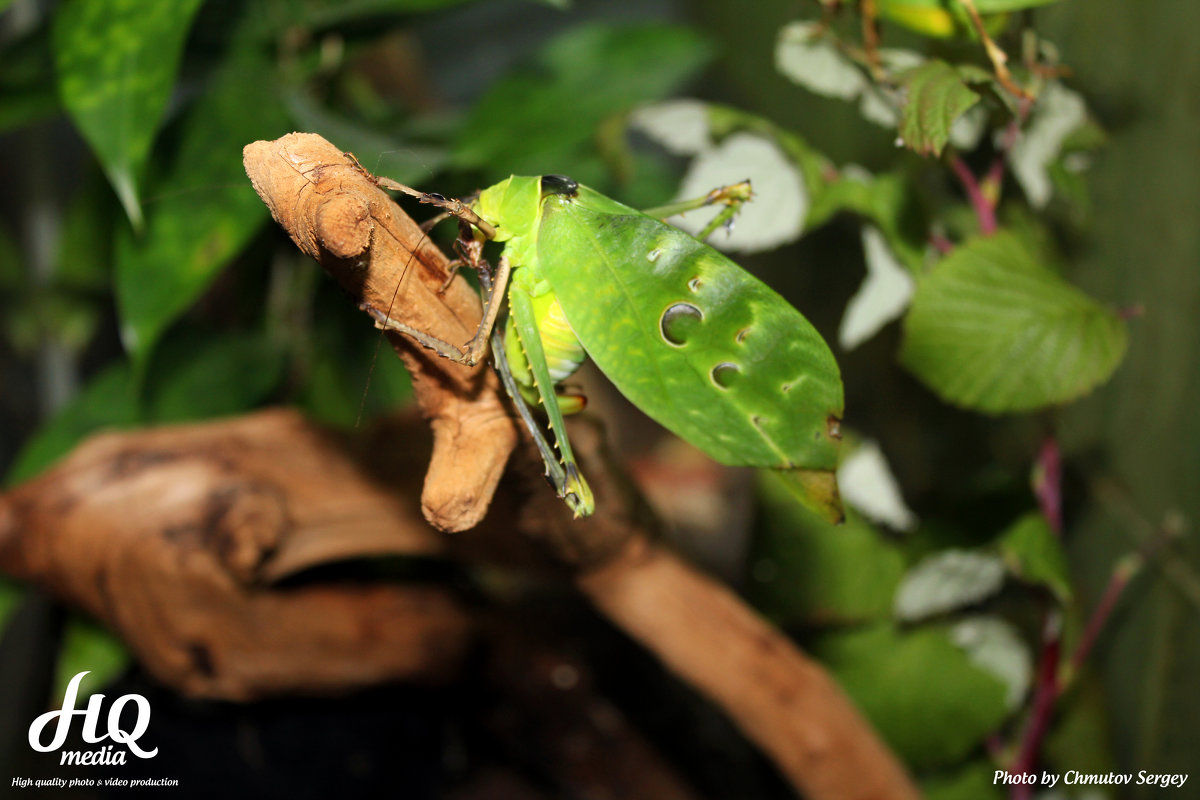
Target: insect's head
(559, 184)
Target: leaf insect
(700, 345)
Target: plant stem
(940, 243)
(985, 211)
(1045, 693)
(1047, 484)
(995, 54)
(1122, 574)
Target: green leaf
(804, 571)
(404, 161)
(928, 17)
(921, 692)
(947, 18)
(116, 66)
(947, 581)
(888, 199)
(196, 378)
(207, 210)
(1034, 554)
(936, 97)
(995, 646)
(807, 54)
(544, 118)
(109, 400)
(1059, 113)
(87, 646)
(681, 126)
(992, 329)
(883, 296)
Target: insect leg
(574, 488)
(554, 470)
(732, 197)
(473, 352)
(455, 208)
(497, 286)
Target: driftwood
(172, 539)
(178, 537)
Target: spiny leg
(733, 196)
(573, 488)
(473, 352)
(451, 206)
(554, 470)
(471, 251)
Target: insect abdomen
(564, 353)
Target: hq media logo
(106, 754)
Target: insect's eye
(558, 184)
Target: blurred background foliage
(140, 283)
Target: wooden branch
(336, 213)
(173, 537)
(782, 700)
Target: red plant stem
(995, 173)
(1122, 574)
(1045, 693)
(1047, 483)
(940, 243)
(985, 212)
(1047, 487)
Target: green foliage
(993, 329)
(1035, 555)
(551, 109)
(923, 694)
(191, 234)
(109, 400)
(946, 581)
(116, 68)
(936, 98)
(804, 571)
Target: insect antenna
(362, 403)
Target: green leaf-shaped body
(692, 339)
